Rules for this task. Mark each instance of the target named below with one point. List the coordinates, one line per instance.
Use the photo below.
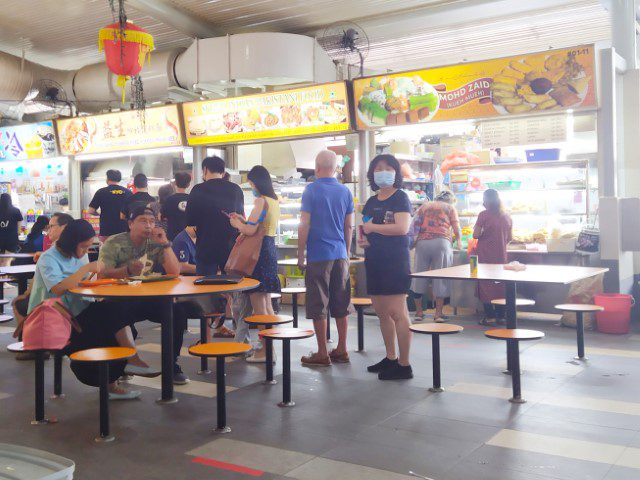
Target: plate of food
(543, 82)
(153, 277)
(397, 101)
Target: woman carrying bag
(263, 220)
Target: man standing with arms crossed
(325, 232)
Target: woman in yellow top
(266, 211)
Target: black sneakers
(179, 378)
(382, 365)
(396, 372)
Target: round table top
(577, 307)
(219, 349)
(436, 328)
(268, 319)
(514, 334)
(294, 290)
(106, 354)
(293, 262)
(178, 287)
(287, 333)
(361, 302)
(520, 302)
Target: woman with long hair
(387, 218)
(266, 212)
(10, 218)
(493, 231)
(35, 238)
(439, 226)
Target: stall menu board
(524, 131)
(129, 130)
(539, 82)
(36, 140)
(316, 110)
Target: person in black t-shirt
(174, 209)
(110, 200)
(208, 208)
(141, 197)
(9, 218)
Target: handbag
(246, 251)
(48, 326)
(589, 238)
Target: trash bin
(24, 463)
(616, 316)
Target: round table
(164, 292)
(21, 273)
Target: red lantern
(125, 50)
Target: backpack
(48, 326)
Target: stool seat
(105, 354)
(520, 302)
(268, 319)
(361, 302)
(576, 307)
(436, 328)
(5, 318)
(4, 302)
(15, 347)
(286, 333)
(275, 295)
(514, 334)
(219, 349)
(292, 290)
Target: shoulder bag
(246, 251)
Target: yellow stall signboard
(113, 132)
(539, 82)
(317, 110)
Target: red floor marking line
(228, 466)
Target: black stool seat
(513, 336)
(219, 351)
(103, 356)
(435, 330)
(286, 335)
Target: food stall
(523, 125)
(281, 130)
(32, 171)
(148, 141)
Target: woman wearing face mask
(266, 211)
(387, 218)
(493, 231)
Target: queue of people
(199, 232)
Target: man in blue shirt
(325, 232)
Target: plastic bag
(582, 292)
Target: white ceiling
(403, 33)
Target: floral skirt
(266, 271)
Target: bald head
(326, 164)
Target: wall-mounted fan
(346, 43)
(48, 95)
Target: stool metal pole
(39, 389)
(360, 311)
(104, 404)
(435, 348)
(167, 353)
(580, 332)
(294, 308)
(221, 397)
(57, 375)
(511, 317)
(204, 361)
(286, 374)
(269, 358)
(515, 372)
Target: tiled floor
(581, 421)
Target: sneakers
(125, 395)
(339, 357)
(487, 322)
(179, 378)
(223, 332)
(397, 372)
(382, 365)
(315, 359)
(141, 371)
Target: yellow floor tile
(325, 469)
(194, 387)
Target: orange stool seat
(267, 320)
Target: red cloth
(492, 248)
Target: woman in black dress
(387, 218)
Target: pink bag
(48, 326)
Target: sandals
(418, 318)
(224, 332)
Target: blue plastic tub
(543, 155)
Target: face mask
(384, 178)
(255, 192)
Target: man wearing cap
(142, 250)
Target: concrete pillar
(75, 188)
(199, 153)
(623, 30)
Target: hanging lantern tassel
(125, 51)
